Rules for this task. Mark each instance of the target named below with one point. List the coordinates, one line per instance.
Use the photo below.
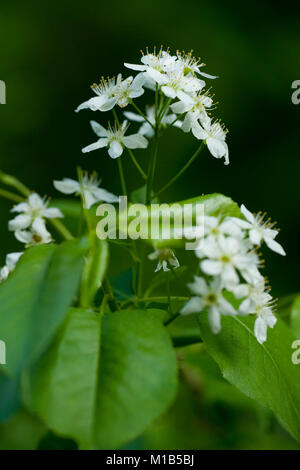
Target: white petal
(67, 186)
(247, 307)
(39, 227)
(135, 141)
(24, 236)
(156, 76)
(99, 130)
(12, 259)
(20, 222)
(180, 107)
(240, 291)
(274, 246)
(88, 198)
(94, 104)
(138, 81)
(52, 213)
(231, 228)
(230, 276)
(133, 116)
(35, 201)
(194, 305)
(207, 75)
(199, 286)
(95, 146)
(115, 149)
(226, 307)
(104, 196)
(135, 66)
(22, 207)
(248, 215)
(216, 147)
(199, 132)
(4, 273)
(108, 104)
(260, 330)
(269, 318)
(169, 91)
(214, 318)
(255, 236)
(165, 265)
(211, 267)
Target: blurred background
(50, 54)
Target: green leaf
(295, 317)
(102, 386)
(214, 204)
(94, 270)
(9, 396)
(263, 372)
(35, 299)
(22, 432)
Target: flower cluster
(181, 101)
(29, 225)
(230, 264)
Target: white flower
(175, 84)
(195, 109)
(165, 257)
(250, 293)
(153, 65)
(226, 255)
(113, 91)
(214, 136)
(115, 139)
(192, 65)
(260, 230)
(36, 235)
(90, 189)
(11, 261)
(35, 208)
(146, 129)
(209, 226)
(209, 297)
(265, 317)
(105, 99)
(128, 89)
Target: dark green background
(52, 51)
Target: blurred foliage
(50, 54)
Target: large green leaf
(263, 372)
(103, 384)
(214, 204)
(35, 299)
(295, 317)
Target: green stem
(164, 109)
(11, 196)
(161, 299)
(151, 172)
(169, 293)
(175, 178)
(172, 318)
(61, 229)
(122, 178)
(110, 295)
(141, 113)
(10, 180)
(135, 162)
